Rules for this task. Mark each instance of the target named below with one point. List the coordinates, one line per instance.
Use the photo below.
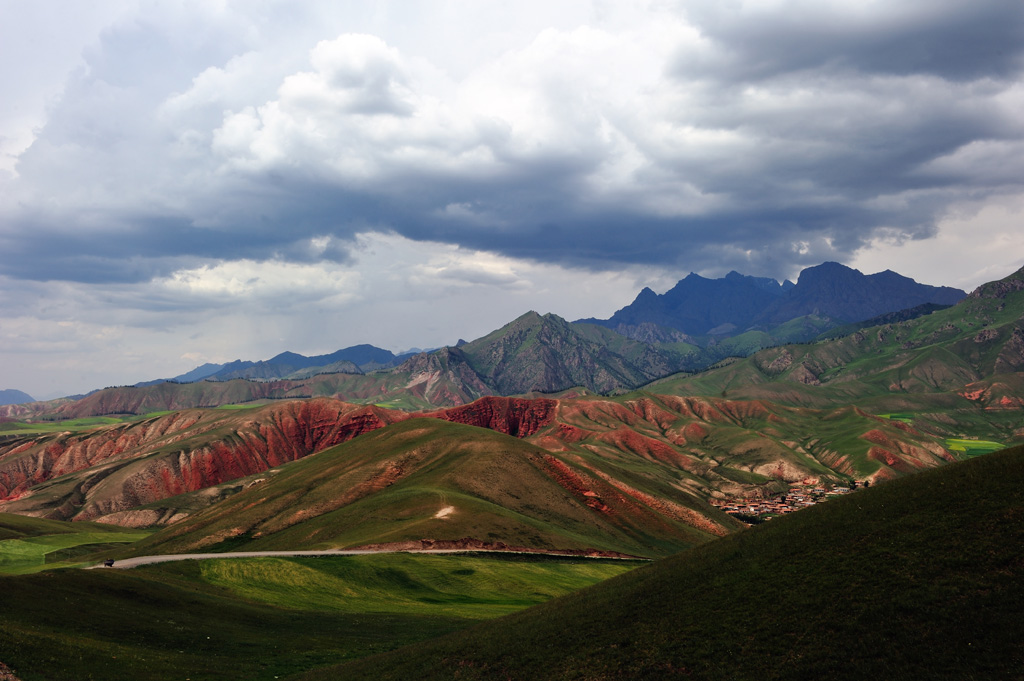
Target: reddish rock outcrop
(513, 416)
(138, 463)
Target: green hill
(956, 370)
(260, 619)
(919, 578)
(33, 544)
(434, 480)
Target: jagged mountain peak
(736, 302)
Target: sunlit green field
(973, 447)
(474, 587)
(33, 544)
(33, 427)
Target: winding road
(127, 563)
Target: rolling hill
(917, 578)
(878, 404)
(656, 461)
(425, 480)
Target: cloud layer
(204, 152)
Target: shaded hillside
(918, 578)
(425, 479)
(846, 294)
(883, 319)
(700, 306)
(261, 619)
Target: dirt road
(126, 563)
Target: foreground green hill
(259, 619)
(919, 578)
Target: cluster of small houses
(796, 498)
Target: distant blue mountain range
(356, 359)
(15, 397)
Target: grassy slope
(916, 578)
(924, 365)
(388, 486)
(258, 619)
(33, 544)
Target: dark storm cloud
(776, 139)
(949, 39)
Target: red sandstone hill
(674, 453)
(426, 482)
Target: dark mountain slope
(845, 294)
(737, 303)
(700, 306)
(547, 354)
(918, 578)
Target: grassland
(40, 427)
(918, 578)
(972, 447)
(260, 618)
(389, 486)
(33, 544)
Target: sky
(203, 181)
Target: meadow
(264, 618)
(32, 544)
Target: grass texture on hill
(918, 578)
(418, 479)
(34, 544)
(260, 619)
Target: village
(753, 511)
